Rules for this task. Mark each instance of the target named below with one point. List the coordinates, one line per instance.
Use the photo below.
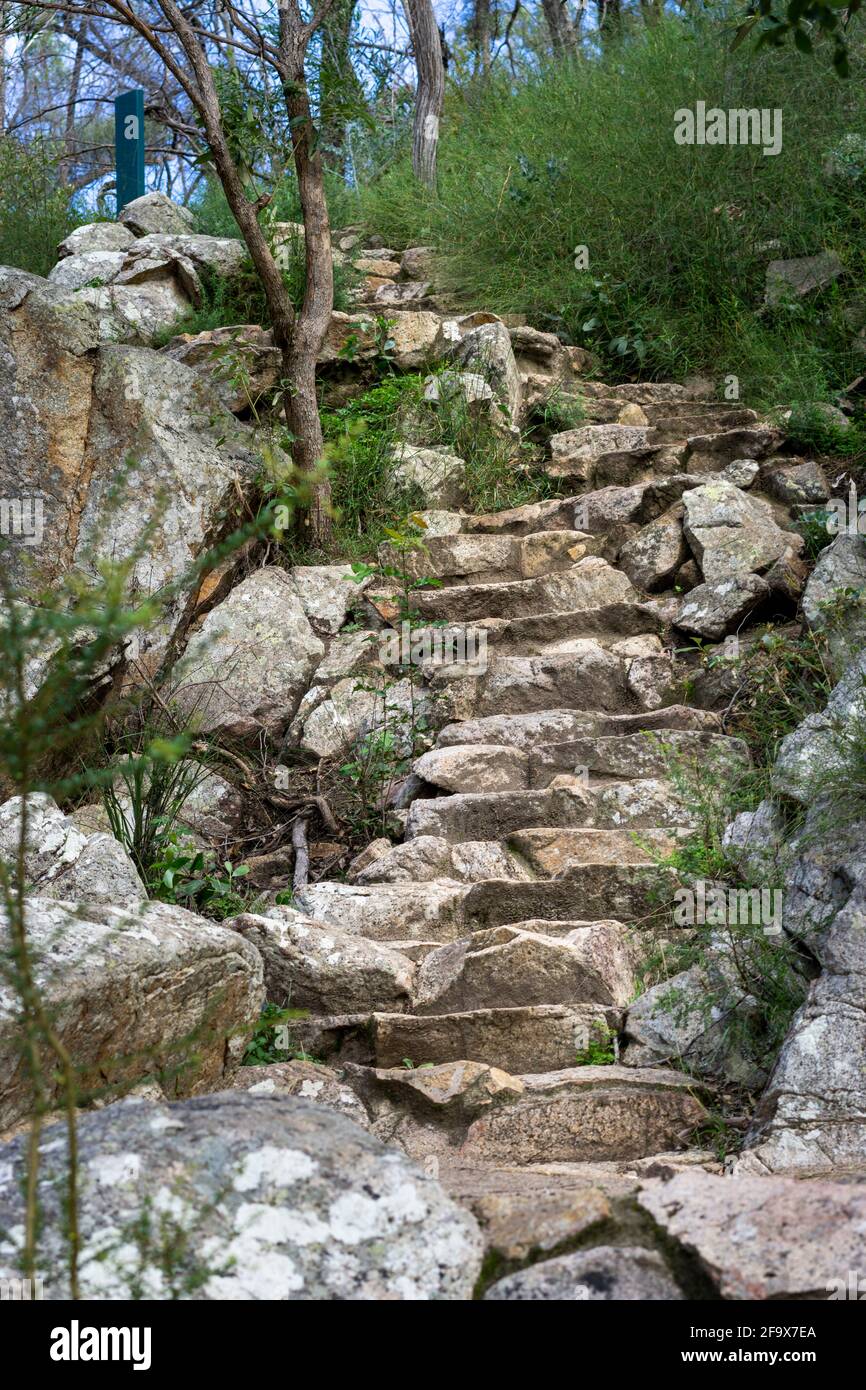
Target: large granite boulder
(257, 1197)
(152, 991)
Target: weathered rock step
(690, 417)
(461, 558)
(641, 804)
(586, 676)
(566, 1116)
(592, 512)
(588, 583)
(446, 910)
(543, 1037)
(627, 892)
(470, 767)
(606, 623)
(583, 1113)
(528, 732)
(517, 966)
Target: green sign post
(129, 144)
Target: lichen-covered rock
(87, 268)
(326, 593)
(262, 1197)
(62, 861)
(440, 477)
(96, 236)
(819, 749)
(764, 1238)
(812, 1116)
(153, 991)
(604, 1273)
(833, 600)
(306, 1080)
(154, 212)
(249, 663)
(487, 350)
(713, 610)
(733, 534)
(319, 967)
(653, 556)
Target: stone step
(390, 911)
(460, 558)
(630, 893)
(590, 582)
(483, 1114)
(641, 755)
(584, 1113)
(710, 452)
(511, 966)
(640, 803)
(595, 884)
(689, 417)
(607, 623)
(551, 852)
(586, 676)
(542, 1037)
(528, 732)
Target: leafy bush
(35, 212)
(679, 237)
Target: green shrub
(35, 212)
(679, 236)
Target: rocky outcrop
(761, 1238)
(151, 992)
(62, 861)
(266, 1196)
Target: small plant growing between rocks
(601, 1049)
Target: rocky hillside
(512, 1065)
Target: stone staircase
(525, 886)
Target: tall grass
(679, 237)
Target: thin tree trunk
(74, 85)
(2, 69)
(561, 27)
(430, 94)
(301, 353)
(481, 30)
(339, 85)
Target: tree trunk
(314, 317)
(66, 162)
(562, 29)
(430, 94)
(481, 30)
(340, 89)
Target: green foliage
(190, 877)
(807, 22)
(361, 437)
(600, 1050)
(811, 428)
(785, 679)
(679, 237)
(214, 217)
(267, 1043)
(35, 211)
